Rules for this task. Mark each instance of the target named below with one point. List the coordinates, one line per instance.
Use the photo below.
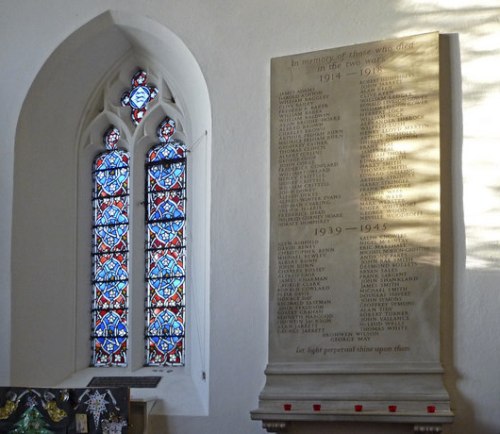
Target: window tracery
(165, 250)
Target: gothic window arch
(163, 245)
(73, 100)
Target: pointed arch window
(164, 201)
(110, 254)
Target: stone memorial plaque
(355, 217)
(355, 203)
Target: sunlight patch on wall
(481, 160)
(435, 5)
(481, 139)
(477, 25)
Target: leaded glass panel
(165, 334)
(165, 263)
(166, 177)
(165, 205)
(110, 254)
(166, 291)
(138, 96)
(165, 249)
(166, 234)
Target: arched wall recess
(56, 140)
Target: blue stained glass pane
(110, 238)
(110, 337)
(166, 205)
(166, 322)
(138, 96)
(109, 352)
(165, 351)
(167, 177)
(111, 211)
(110, 259)
(110, 267)
(111, 182)
(166, 234)
(111, 220)
(166, 292)
(111, 160)
(165, 263)
(165, 335)
(173, 150)
(110, 295)
(110, 323)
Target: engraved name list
(355, 227)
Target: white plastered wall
(233, 43)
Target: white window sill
(175, 395)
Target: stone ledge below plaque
(417, 398)
(429, 420)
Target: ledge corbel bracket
(420, 428)
(275, 426)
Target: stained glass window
(165, 249)
(138, 96)
(110, 200)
